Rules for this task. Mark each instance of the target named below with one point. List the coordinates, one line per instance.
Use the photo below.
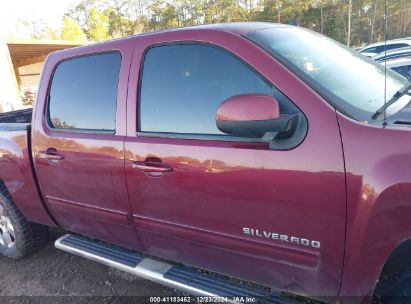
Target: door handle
(147, 166)
(51, 154)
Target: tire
(18, 237)
(397, 289)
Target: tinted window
(351, 82)
(380, 48)
(83, 93)
(396, 46)
(183, 86)
(404, 71)
(370, 50)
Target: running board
(180, 277)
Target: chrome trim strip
(310, 256)
(77, 204)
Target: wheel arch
(18, 177)
(378, 234)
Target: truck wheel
(18, 236)
(398, 291)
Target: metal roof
(24, 52)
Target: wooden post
(15, 73)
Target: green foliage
(97, 25)
(118, 26)
(105, 19)
(71, 30)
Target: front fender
(378, 176)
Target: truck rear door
(78, 137)
(234, 206)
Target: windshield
(348, 80)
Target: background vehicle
(221, 147)
(393, 54)
(400, 65)
(398, 60)
(374, 49)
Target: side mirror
(254, 116)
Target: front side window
(183, 85)
(404, 71)
(83, 93)
(353, 83)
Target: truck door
(78, 141)
(231, 205)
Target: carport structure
(20, 64)
(28, 52)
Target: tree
(98, 25)
(36, 29)
(351, 22)
(140, 7)
(71, 30)
(374, 13)
(81, 11)
(119, 26)
(320, 5)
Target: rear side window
(370, 50)
(396, 46)
(83, 93)
(183, 85)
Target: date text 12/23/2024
(202, 299)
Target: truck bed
(17, 170)
(19, 116)
(9, 127)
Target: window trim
(46, 111)
(195, 136)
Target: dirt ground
(54, 276)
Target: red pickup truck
(258, 152)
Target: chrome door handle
(146, 166)
(51, 154)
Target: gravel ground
(53, 276)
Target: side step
(179, 277)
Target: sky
(49, 11)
